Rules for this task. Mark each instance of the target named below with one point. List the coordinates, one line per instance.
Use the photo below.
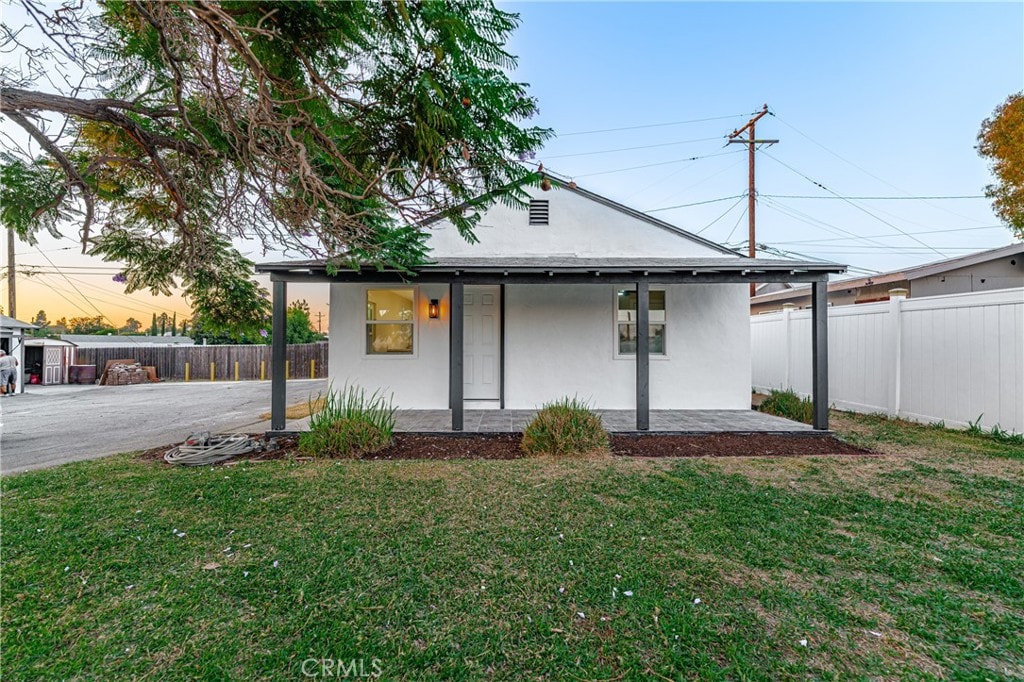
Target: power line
(73, 286)
(61, 248)
(894, 236)
(920, 251)
(649, 125)
(815, 222)
(43, 275)
(42, 270)
(737, 224)
(58, 290)
(851, 203)
(696, 203)
(158, 310)
(840, 248)
(738, 202)
(767, 248)
(810, 196)
(652, 165)
(630, 149)
(861, 169)
(679, 191)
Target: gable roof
(10, 324)
(903, 275)
(126, 340)
(941, 266)
(561, 184)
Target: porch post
(278, 353)
(643, 355)
(819, 353)
(455, 336)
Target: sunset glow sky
(869, 100)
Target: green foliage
(350, 424)
(90, 325)
(43, 323)
(996, 433)
(298, 325)
(900, 567)
(32, 193)
(131, 326)
(217, 279)
(329, 129)
(789, 405)
(565, 428)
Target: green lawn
(903, 566)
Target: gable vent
(538, 211)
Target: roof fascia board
(929, 269)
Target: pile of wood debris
(123, 374)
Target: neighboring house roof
(116, 340)
(48, 342)
(9, 324)
(903, 275)
(942, 266)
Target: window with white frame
(390, 321)
(625, 321)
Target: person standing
(8, 372)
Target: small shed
(48, 359)
(12, 340)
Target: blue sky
(870, 99)
(898, 90)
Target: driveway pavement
(50, 425)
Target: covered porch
(637, 274)
(615, 421)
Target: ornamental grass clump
(351, 424)
(789, 405)
(565, 428)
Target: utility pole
(11, 309)
(319, 315)
(752, 141)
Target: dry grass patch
(300, 410)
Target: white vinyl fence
(942, 358)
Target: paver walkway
(684, 421)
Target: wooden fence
(227, 363)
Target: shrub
(564, 428)
(789, 405)
(350, 424)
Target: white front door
(482, 344)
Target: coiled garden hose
(202, 448)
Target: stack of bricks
(121, 375)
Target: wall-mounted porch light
(434, 309)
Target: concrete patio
(662, 421)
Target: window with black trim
(625, 321)
(390, 321)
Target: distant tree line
(299, 328)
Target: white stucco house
(551, 302)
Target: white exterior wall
(417, 381)
(577, 226)
(951, 358)
(561, 341)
